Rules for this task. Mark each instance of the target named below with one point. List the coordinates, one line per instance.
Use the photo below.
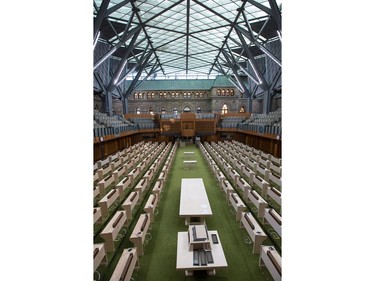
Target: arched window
(224, 109)
(162, 110)
(187, 109)
(199, 110)
(150, 110)
(242, 109)
(175, 110)
(138, 110)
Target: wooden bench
(162, 176)
(97, 215)
(248, 175)
(126, 265)
(263, 173)
(112, 229)
(244, 159)
(275, 179)
(274, 219)
(141, 166)
(158, 188)
(258, 201)
(254, 230)
(130, 203)
(243, 185)
(118, 173)
(265, 163)
(105, 169)
(128, 165)
(239, 166)
(275, 194)
(100, 256)
(104, 183)
(226, 187)
(141, 186)
(97, 191)
(150, 205)
(275, 169)
(234, 175)
(271, 259)
(149, 175)
(220, 176)
(115, 164)
(261, 184)
(106, 202)
(275, 160)
(133, 174)
(123, 185)
(139, 232)
(237, 204)
(253, 166)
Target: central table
(189, 164)
(188, 154)
(194, 204)
(185, 257)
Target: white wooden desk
(185, 257)
(274, 219)
(188, 154)
(126, 265)
(189, 164)
(254, 230)
(270, 258)
(112, 229)
(138, 235)
(99, 255)
(194, 201)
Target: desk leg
(189, 272)
(211, 272)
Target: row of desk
(257, 235)
(129, 258)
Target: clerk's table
(188, 154)
(194, 201)
(189, 164)
(185, 257)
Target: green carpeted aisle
(159, 261)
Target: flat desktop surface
(193, 199)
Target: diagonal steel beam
(229, 32)
(212, 11)
(276, 14)
(142, 25)
(260, 7)
(274, 11)
(148, 75)
(250, 36)
(123, 61)
(100, 16)
(124, 38)
(262, 82)
(234, 67)
(114, 8)
(135, 80)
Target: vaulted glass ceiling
(186, 37)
